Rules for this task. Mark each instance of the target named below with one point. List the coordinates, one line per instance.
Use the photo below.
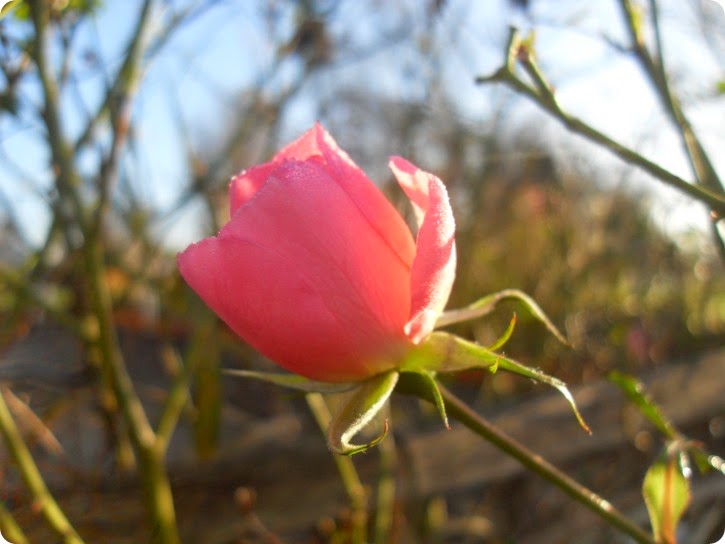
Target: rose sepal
(358, 411)
(487, 304)
(443, 352)
(292, 381)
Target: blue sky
(211, 61)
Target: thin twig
(507, 75)
(150, 454)
(654, 68)
(175, 401)
(119, 98)
(346, 468)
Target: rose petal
(372, 204)
(434, 267)
(245, 185)
(280, 315)
(302, 214)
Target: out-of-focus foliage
(59, 8)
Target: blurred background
(120, 126)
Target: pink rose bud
(318, 271)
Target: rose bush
(318, 271)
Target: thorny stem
(43, 500)
(542, 95)
(348, 473)
(411, 384)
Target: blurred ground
(452, 486)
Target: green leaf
(487, 304)
(637, 394)
(292, 381)
(359, 410)
(720, 86)
(666, 493)
(443, 352)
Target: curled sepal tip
(517, 368)
(505, 336)
(291, 381)
(359, 410)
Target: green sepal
(359, 410)
(432, 384)
(487, 304)
(443, 352)
(291, 381)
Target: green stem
(385, 506)
(10, 529)
(32, 477)
(346, 468)
(175, 401)
(412, 384)
(149, 451)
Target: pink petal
(246, 184)
(333, 280)
(373, 205)
(280, 315)
(434, 267)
